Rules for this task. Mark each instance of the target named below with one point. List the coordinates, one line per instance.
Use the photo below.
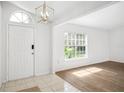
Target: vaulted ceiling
(65, 10)
(108, 18)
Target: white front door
(20, 57)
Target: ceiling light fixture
(43, 13)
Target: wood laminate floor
(101, 77)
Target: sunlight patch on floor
(87, 71)
(94, 69)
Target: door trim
(7, 52)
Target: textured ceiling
(109, 18)
(65, 10)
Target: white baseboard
(71, 67)
(0, 85)
(38, 74)
(119, 61)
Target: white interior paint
(98, 47)
(117, 45)
(0, 44)
(20, 57)
(42, 42)
(42, 49)
(108, 18)
(63, 9)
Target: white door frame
(7, 54)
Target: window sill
(76, 58)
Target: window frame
(21, 23)
(86, 46)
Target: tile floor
(47, 83)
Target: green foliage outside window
(75, 46)
(71, 52)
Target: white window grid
(74, 41)
(20, 17)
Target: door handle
(32, 47)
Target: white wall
(98, 46)
(7, 9)
(0, 43)
(42, 42)
(43, 50)
(117, 45)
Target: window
(75, 45)
(20, 17)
